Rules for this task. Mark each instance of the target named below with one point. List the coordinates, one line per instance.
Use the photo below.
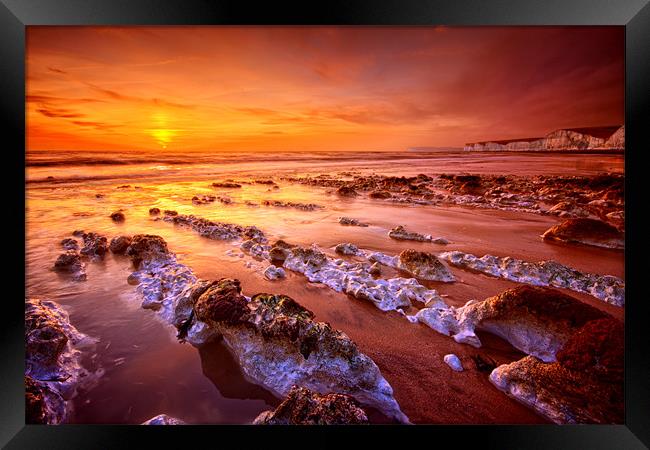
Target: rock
(351, 222)
(226, 185)
(544, 273)
(584, 385)
(296, 205)
(274, 273)
(346, 191)
(154, 211)
(42, 404)
(70, 262)
(169, 212)
(354, 278)
(538, 321)
(70, 244)
(119, 244)
(400, 233)
(53, 370)
(95, 245)
(452, 361)
(424, 265)
(380, 194)
(203, 199)
(587, 231)
(264, 182)
(278, 254)
(305, 407)
(118, 216)
(78, 233)
(347, 249)
(163, 419)
(564, 209)
(149, 248)
(375, 269)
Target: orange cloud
(316, 88)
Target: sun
(162, 133)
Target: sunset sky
(316, 88)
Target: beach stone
(584, 385)
(163, 419)
(375, 269)
(351, 222)
(536, 320)
(147, 247)
(380, 194)
(154, 211)
(346, 191)
(70, 262)
(305, 407)
(95, 245)
(586, 231)
(119, 244)
(118, 216)
(400, 233)
(274, 273)
(347, 249)
(452, 361)
(424, 265)
(70, 244)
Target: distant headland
(565, 139)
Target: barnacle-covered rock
(149, 248)
(584, 385)
(70, 262)
(544, 273)
(95, 245)
(119, 244)
(424, 265)
(587, 231)
(305, 407)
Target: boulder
(43, 405)
(305, 407)
(424, 265)
(347, 249)
(536, 320)
(154, 211)
(70, 262)
(119, 244)
(274, 273)
(380, 194)
(147, 247)
(117, 216)
(70, 244)
(584, 385)
(351, 222)
(346, 191)
(587, 231)
(95, 245)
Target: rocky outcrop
(274, 339)
(351, 222)
(380, 194)
(586, 231)
(346, 191)
(607, 288)
(216, 230)
(226, 184)
(538, 321)
(70, 244)
(95, 245)
(584, 385)
(296, 205)
(424, 265)
(346, 248)
(163, 419)
(119, 244)
(400, 233)
(203, 199)
(53, 370)
(305, 407)
(70, 262)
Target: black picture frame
(634, 15)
